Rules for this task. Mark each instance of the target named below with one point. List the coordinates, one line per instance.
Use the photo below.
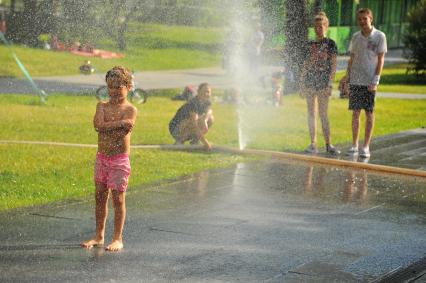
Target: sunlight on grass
(36, 174)
(150, 47)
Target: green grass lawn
(37, 174)
(150, 47)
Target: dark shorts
(317, 81)
(361, 98)
(174, 131)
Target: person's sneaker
(332, 149)
(353, 150)
(311, 149)
(364, 152)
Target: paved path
(217, 77)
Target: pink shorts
(113, 171)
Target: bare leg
(119, 201)
(187, 130)
(311, 101)
(349, 186)
(369, 125)
(355, 127)
(323, 113)
(308, 179)
(203, 123)
(101, 197)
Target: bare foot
(92, 243)
(115, 246)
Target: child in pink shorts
(113, 171)
(114, 121)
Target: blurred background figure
(86, 68)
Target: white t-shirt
(365, 59)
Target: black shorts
(317, 81)
(361, 98)
(174, 131)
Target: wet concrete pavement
(405, 149)
(269, 221)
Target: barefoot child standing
(114, 121)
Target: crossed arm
(126, 123)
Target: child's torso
(118, 140)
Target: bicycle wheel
(139, 96)
(102, 93)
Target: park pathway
(166, 79)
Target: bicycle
(137, 95)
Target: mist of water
(241, 66)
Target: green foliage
(415, 39)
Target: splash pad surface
(269, 221)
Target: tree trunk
(296, 32)
(317, 7)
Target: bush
(415, 39)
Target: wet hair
(202, 86)
(121, 74)
(365, 11)
(321, 17)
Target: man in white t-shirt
(367, 53)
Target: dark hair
(365, 11)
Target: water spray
(41, 93)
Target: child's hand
(208, 146)
(344, 86)
(127, 124)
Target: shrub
(415, 39)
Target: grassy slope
(150, 47)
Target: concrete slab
(406, 149)
(269, 221)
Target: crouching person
(193, 120)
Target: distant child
(277, 91)
(193, 120)
(187, 94)
(114, 121)
(275, 80)
(86, 68)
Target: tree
(296, 33)
(415, 39)
(35, 18)
(117, 15)
(84, 21)
(317, 7)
